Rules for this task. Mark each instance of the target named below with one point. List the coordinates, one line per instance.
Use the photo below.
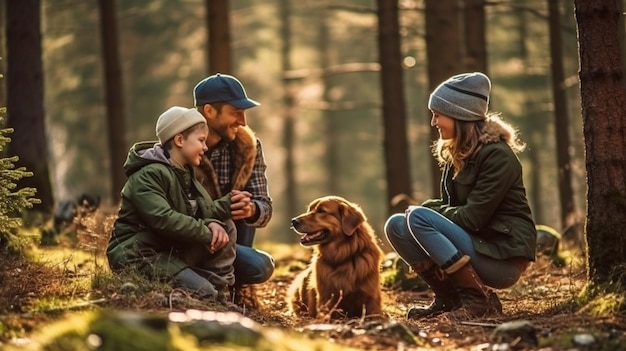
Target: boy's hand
(241, 205)
(220, 237)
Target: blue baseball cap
(222, 88)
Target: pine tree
(13, 201)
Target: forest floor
(57, 280)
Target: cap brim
(244, 103)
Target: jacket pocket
(496, 229)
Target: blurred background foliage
(162, 47)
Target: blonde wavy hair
(470, 136)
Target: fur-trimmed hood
(244, 155)
(493, 131)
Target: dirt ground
(543, 297)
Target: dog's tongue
(308, 237)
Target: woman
(480, 233)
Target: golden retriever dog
(343, 277)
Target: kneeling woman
(480, 233)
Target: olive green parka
(488, 199)
(156, 229)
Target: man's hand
(241, 205)
(220, 237)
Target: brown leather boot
(245, 295)
(446, 296)
(477, 299)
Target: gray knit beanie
(464, 97)
(176, 120)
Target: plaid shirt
(221, 158)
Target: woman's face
(444, 124)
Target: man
(235, 162)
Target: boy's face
(194, 146)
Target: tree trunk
(444, 57)
(3, 55)
(603, 101)
(566, 193)
(25, 95)
(219, 46)
(621, 27)
(331, 139)
(475, 40)
(394, 107)
(114, 96)
(532, 130)
(291, 195)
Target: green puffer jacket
(155, 222)
(488, 200)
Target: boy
(167, 226)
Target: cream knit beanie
(176, 120)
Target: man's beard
(226, 133)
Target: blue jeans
(423, 234)
(252, 266)
(245, 233)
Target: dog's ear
(313, 204)
(351, 218)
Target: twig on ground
(75, 306)
(480, 324)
